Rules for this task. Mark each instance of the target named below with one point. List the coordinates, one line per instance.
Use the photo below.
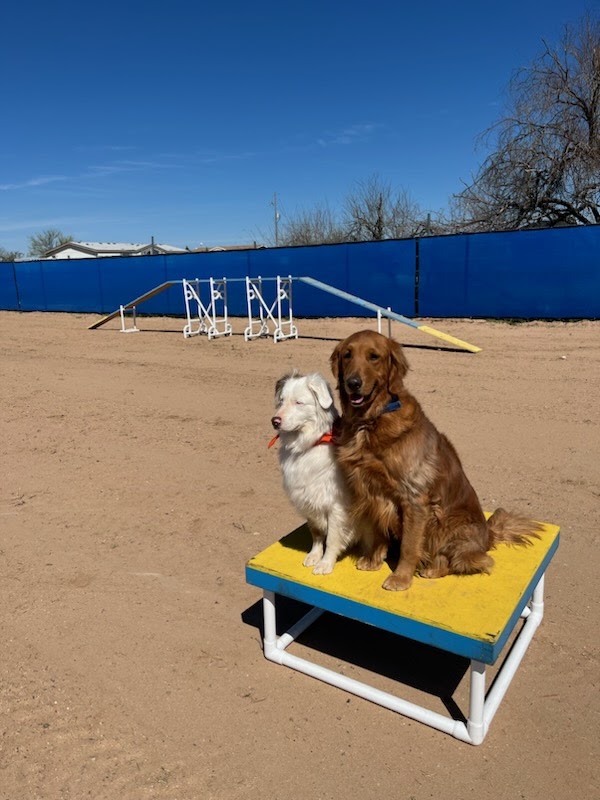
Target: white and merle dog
(304, 418)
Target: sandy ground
(135, 483)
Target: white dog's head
(304, 408)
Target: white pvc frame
(124, 328)
(258, 325)
(389, 321)
(482, 705)
(206, 319)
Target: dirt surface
(136, 483)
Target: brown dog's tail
(514, 529)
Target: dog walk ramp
(386, 312)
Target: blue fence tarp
(541, 274)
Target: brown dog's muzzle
(355, 389)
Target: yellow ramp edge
(450, 339)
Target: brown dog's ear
(334, 361)
(398, 366)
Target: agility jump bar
(351, 298)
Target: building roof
(114, 248)
(106, 247)
(221, 248)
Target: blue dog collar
(394, 405)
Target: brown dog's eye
(347, 355)
(374, 357)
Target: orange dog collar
(327, 438)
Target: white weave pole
(257, 326)
(258, 322)
(195, 323)
(219, 324)
(285, 328)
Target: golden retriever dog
(406, 477)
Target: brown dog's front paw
(433, 572)
(397, 583)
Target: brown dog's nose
(354, 383)
(276, 422)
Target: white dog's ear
(320, 387)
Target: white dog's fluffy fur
(304, 412)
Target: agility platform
(471, 616)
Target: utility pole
(275, 218)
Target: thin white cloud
(216, 158)
(348, 135)
(122, 165)
(36, 224)
(93, 171)
(111, 148)
(73, 223)
(41, 181)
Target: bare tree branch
(374, 212)
(318, 226)
(545, 168)
(46, 240)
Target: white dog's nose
(276, 422)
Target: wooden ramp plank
(136, 302)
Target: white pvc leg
(519, 648)
(475, 722)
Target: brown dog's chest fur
(388, 464)
(400, 459)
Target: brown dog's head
(369, 369)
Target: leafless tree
(46, 240)
(10, 255)
(374, 212)
(317, 226)
(545, 169)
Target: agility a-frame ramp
(266, 311)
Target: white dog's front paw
(323, 568)
(312, 558)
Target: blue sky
(179, 120)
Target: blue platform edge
(486, 652)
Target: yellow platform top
(471, 615)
